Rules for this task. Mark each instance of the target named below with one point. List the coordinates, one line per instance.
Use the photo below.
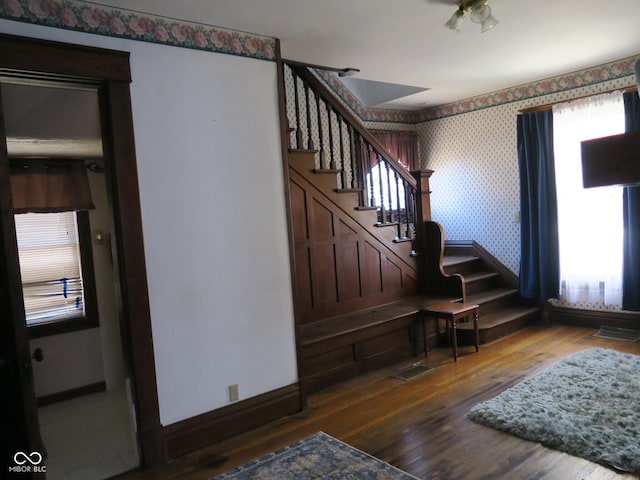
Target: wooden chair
(451, 312)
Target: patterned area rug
(319, 456)
(587, 405)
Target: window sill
(58, 327)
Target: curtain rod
(548, 106)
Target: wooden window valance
(49, 185)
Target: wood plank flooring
(420, 425)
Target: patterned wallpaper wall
(476, 193)
(471, 146)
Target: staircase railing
(317, 121)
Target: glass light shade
(455, 21)
(489, 23)
(480, 13)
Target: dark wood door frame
(109, 70)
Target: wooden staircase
(367, 257)
(493, 287)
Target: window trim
(90, 319)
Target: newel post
(423, 207)
(423, 192)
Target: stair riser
(468, 267)
(481, 285)
(459, 251)
(497, 304)
(466, 337)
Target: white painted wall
(210, 172)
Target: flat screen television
(613, 160)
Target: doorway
(82, 390)
(108, 74)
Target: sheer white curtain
(589, 220)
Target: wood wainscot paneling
(344, 263)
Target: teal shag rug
(319, 456)
(587, 405)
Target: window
(590, 222)
(54, 251)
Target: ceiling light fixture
(479, 12)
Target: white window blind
(50, 265)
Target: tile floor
(89, 437)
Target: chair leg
(454, 339)
(476, 329)
(424, 339)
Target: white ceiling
(405, 42)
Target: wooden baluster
(383, 213)
(398, 218)
(287, 93)
(299, 143)
(320, 133)
(389, 199)
(359, 167)
(332, 161)
(352, 158)
(369, 170)
(310, 145)
(357, 159)
(344, 173)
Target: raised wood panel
(328, 360)
(398, 340)
(321, 221)
(410, 281)
(304, 296)
(347, 269)
(371, 270)
(344, 231)
(323, 274)
(298, 212)
(391, 276)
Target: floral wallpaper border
(100, 19)
(582, 78)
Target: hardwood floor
(420, 425)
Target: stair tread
(498, 318)
(449, 260)
(487, 296)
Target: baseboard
(510, 278)
(72, 393)
(212, 427)
(590, 318)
